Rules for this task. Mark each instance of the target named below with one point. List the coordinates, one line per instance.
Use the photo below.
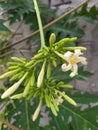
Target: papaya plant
(34, 79)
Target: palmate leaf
(20, 114)
(80, 118)
(17, 9)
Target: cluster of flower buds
(35, 75)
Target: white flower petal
(75, 69)
(68, 67)
(77, 53)
(72, 74)
(63, 67)
(68, 55)
(82, 60)
(73, 59)
(59, 100)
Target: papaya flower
(37, 111)
(13, 88)
(59, 100)
(67, 98)
(73, 58)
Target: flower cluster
(35, 75)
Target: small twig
(62, 3)
(9, 125)
(13, 34)
(46, 26)
(3, 106)
(6, 53)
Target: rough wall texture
(91, 43)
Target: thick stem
(39, 24)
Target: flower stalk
(39, 24)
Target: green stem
(39, 23)
(45, 27)
(27, 114)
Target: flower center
(73, 61)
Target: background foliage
(84, 117)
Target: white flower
(73, 58)
(59, 100)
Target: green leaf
(2, 26)
(82, 117)
(21, 113)
(84, 73)
(93, 12)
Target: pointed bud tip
(52, 38)
(75, 104)
(3, 96)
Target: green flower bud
(29, 84)
(73, 39)
(13, 64)
(70, 100)
(10, 68)
(48, 70)
(69, 40)
(26, 90)
(32, 79)
(53, 109)
(55, 104)
(65, 41)
(36, 113)
(66, 86)
(38, 56)
(75, 48)
(13, 88)
(7, 74)
(17, 96)
(18, 75)
(23, 60)
(41, 75)
(54, 63)
(47, 99)
(52, 39)
(30, 63)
